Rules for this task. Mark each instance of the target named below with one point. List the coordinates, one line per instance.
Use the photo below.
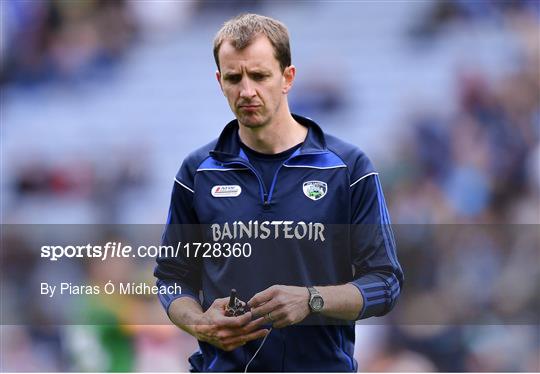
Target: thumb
(221, 303)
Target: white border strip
(183, 185)
(315, 167)
(365, 176)
(231, 169)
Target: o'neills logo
(226, 191)
(268, 230)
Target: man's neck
(274, 137)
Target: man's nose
(247, 90)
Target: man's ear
(288, 78)
(218, 77)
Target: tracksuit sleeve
(377, 272)
(182, 226)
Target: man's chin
(250, 121)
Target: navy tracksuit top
(323, 221)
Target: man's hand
(281, 305)
(227, 333)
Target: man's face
(252, 81)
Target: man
(301, 199)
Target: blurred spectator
(59, 39)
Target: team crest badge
(315, 190)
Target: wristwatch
(316, 302)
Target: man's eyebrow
(251, 71)
(260, 71)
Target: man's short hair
(241, 30)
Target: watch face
(317, 303)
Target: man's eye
(233, 78)
(258, 77)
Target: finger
(263, 310)
(286, 317)
(241, 340)
(262, 297)
(239, 321)
(281, 318)
(247, 329)
(256, 323)
(221, 302)
(224, 333)
(252, 326)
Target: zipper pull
(266, 204)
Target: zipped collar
(228, 144)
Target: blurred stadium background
(101, 100)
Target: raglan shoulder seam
(344, 163)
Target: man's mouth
(249, 106)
